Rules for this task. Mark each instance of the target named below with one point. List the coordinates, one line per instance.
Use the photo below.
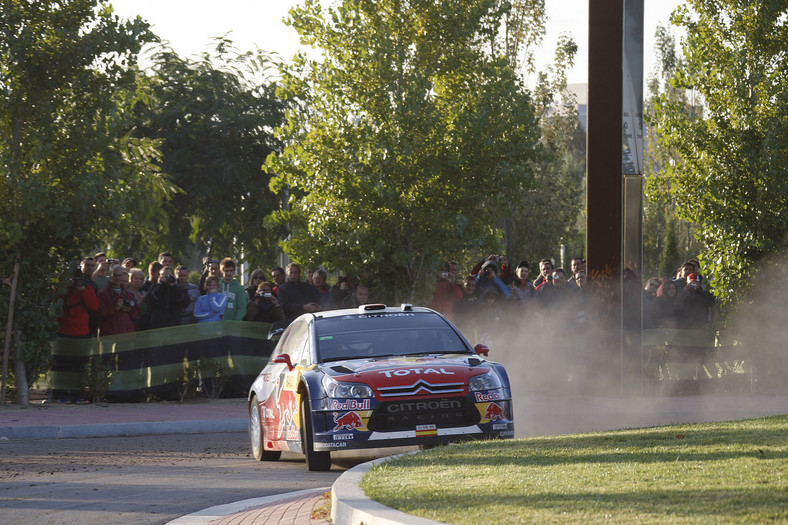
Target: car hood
(416, 374)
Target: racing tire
(315, 461)
(257, 437)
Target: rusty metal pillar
(604, 189)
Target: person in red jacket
(118, 308)
(78, 303)
(446, 293)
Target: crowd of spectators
(107, 296)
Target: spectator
(278, 277)
(264, 306)
(488, 276)
(322, 289)
(129, 263)
(236, 293)
(210, 267)
(118, 307)
(667, 308)
(166, 300)
(465, 309)
(100, 275)
(136, 283)
(522, 288)
(446, 293)
(166, 259)
(192, 290)
(489, 316)
(359, 297)
(79, 303)
(212, 305)
(545, 273)
(577, 265)
(154, 272)
(556, 293)
(296, 296)
(696, 304)
(681, 275)
(342, 289)
(257, 277)
(309, 272)
(88, 267)
(649, 300)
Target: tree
(731, 182)
(403, 141)
(215, 116)
(70, 168)
(668, 241)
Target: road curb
(123, 429)
(349, 504)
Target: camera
(170, 279)
(78, 279)
(129, 303)
(265, 295)
(444, 275)
(113, 262)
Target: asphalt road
(145, 480)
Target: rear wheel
(315, 461)
(257, 436)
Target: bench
(691, 361)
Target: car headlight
(340, 390)
(487, 381)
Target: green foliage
(669, 257)
(404, 141)
(70, 171)
(731, 182)
(215, 117)
(97, 377)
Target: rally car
(374, 377)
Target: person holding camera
(118, 308)
(487, 277)
(79, 303)
(166, 300)
(446, 292)
(211, 306)
(264, 307)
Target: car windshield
(384, 335)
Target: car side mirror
(284, 358)
(481, 349)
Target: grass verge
(729, 472)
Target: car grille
(421, 388)
(406, 415)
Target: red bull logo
(494, 412)
(348, 420)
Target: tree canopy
(215, 116)
(404, 138)
(70, 169)
(731, 181)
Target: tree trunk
(9, 327)
(22, 388)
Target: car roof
(376, 308)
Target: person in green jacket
(236, 293)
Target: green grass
(730, 472)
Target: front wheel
(315, 461)
(256, 435)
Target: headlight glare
(486, 381)
(340, 390)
